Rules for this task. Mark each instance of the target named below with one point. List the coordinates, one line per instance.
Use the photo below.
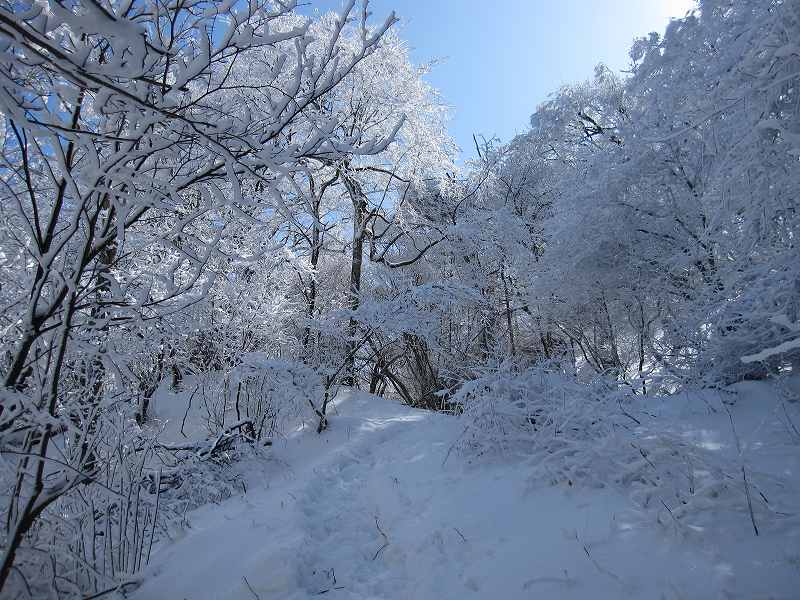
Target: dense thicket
(239, 201)
(672, 239)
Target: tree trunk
(317, 234)
(19, 520)
(509, 315)
(354, 296)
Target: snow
(777, 350)
(380, 507)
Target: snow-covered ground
(379, 507)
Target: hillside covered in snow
(392, 502)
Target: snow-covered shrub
(274, 394)
(188, 479)
(269, 396)
(518, 414)
(536, 410)
(98, 535)
(598, 435)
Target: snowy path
(370, 511)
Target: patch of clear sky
(498, 60)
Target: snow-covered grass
(389, 503)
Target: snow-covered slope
(379, 507)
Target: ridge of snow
(377, 508)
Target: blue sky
(501, 58)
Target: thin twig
(120, 587)
(594, 562)
(631, 417)
(744, 472)
(186, 414)
(789, 419)
(249, 587)
(749, 500)
(155, 517)
(338, 587)
(669, 510)
(385, 538)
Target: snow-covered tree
(132, 146)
